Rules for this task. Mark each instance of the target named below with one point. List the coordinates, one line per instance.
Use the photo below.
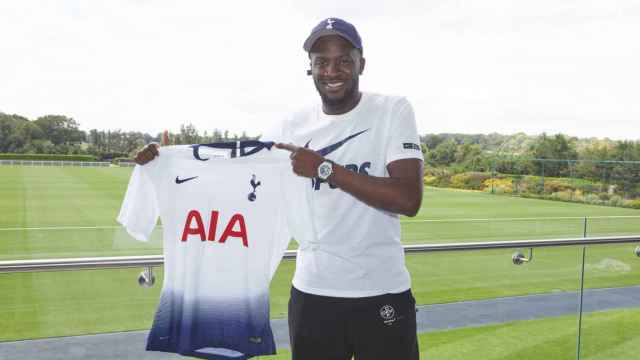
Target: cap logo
(330, 23)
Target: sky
(505, 66)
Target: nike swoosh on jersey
(333, 147)
(180, 181)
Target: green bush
(469, 180)
(531, 186)
(603, 196)
(588, 187)
(615, 200)
(47, 157)
(635, 203)
(438, 177)
(537, 188)
(565, 195)
(556, 185)
(498, 185)
(431, 180)
(593, 199)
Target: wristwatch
(325, 169)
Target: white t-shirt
(225, 229)
(356, 250)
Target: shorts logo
(388, 314)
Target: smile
(334, 85)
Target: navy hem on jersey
(208, 356)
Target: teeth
(334, 85)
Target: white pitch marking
(64, 228)
(524, 218)
(402, 221)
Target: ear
(362, 62)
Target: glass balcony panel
(611, 316)
(48, 304)
(68, 303)
(62, 212)
(479, 305)
(74, 241)
(430, 231)
(473, 304)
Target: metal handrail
(158, 260)
(516, 244)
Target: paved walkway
(130, 345)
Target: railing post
(493, 176)
(542, 177)
(584, 250)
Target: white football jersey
(225, 228)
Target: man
(351, 289)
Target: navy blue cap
(333, 26)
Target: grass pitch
(50, 212)
(70, 212)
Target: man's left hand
(304, 161)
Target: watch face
(324, 170)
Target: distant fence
(65, 163)
(57, 163)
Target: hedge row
(561, 189)
(119, 160)
(47, 157)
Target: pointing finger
(165, 138)
(288, 147)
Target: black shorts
(369, 328)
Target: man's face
(335, 67)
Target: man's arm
(401, 193)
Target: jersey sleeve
(404, 142)
(287, 209)
(139, 211)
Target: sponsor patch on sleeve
(411, 146)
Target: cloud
(498, 66)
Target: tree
(188, 135)
(8, 124)
(430, 141)
(60, 129)
(444, 154)
(552, 149)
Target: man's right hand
(151, 151)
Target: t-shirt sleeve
(139, 211)
(404, 142)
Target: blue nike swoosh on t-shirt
(180, 181)
(333, 147)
